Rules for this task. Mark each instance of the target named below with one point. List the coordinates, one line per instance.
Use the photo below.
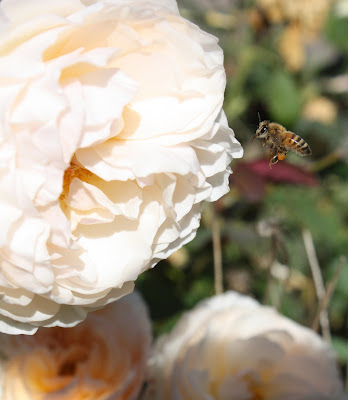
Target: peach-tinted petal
(104, 357)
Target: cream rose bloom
(112, 136)
(232, 348)
(105, 357)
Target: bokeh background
(280, 234)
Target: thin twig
(330, 287)
(218, 274)
(269, 278)
(326, 161)
(318, 282)
(276, 244)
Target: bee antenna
(259, 117)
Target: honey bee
(280, 141)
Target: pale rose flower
(232, 348)
(103, 358)
(112, 135)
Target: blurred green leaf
(165, 325)
(342, 284)
(337, 31)
(283, 98)
(292, 307)
(341, 347)
(308, 208)
(200, 289)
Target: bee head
(262, 130)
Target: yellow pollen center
(73, 171)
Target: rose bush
(112, 136)
(230, 347)
(104, 357)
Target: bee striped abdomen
(295, 143)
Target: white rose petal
(230, 347)
(105, 357)
(112, 135)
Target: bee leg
(273, 161)
(278, 157)
(255, 136)
(265, 140)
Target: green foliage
(341, 348)
(293, 307)
(309, 208)
(282, 98)
(337, 31)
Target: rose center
(68, 368)
(73, 171)
(254, 388)
(70, 363)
